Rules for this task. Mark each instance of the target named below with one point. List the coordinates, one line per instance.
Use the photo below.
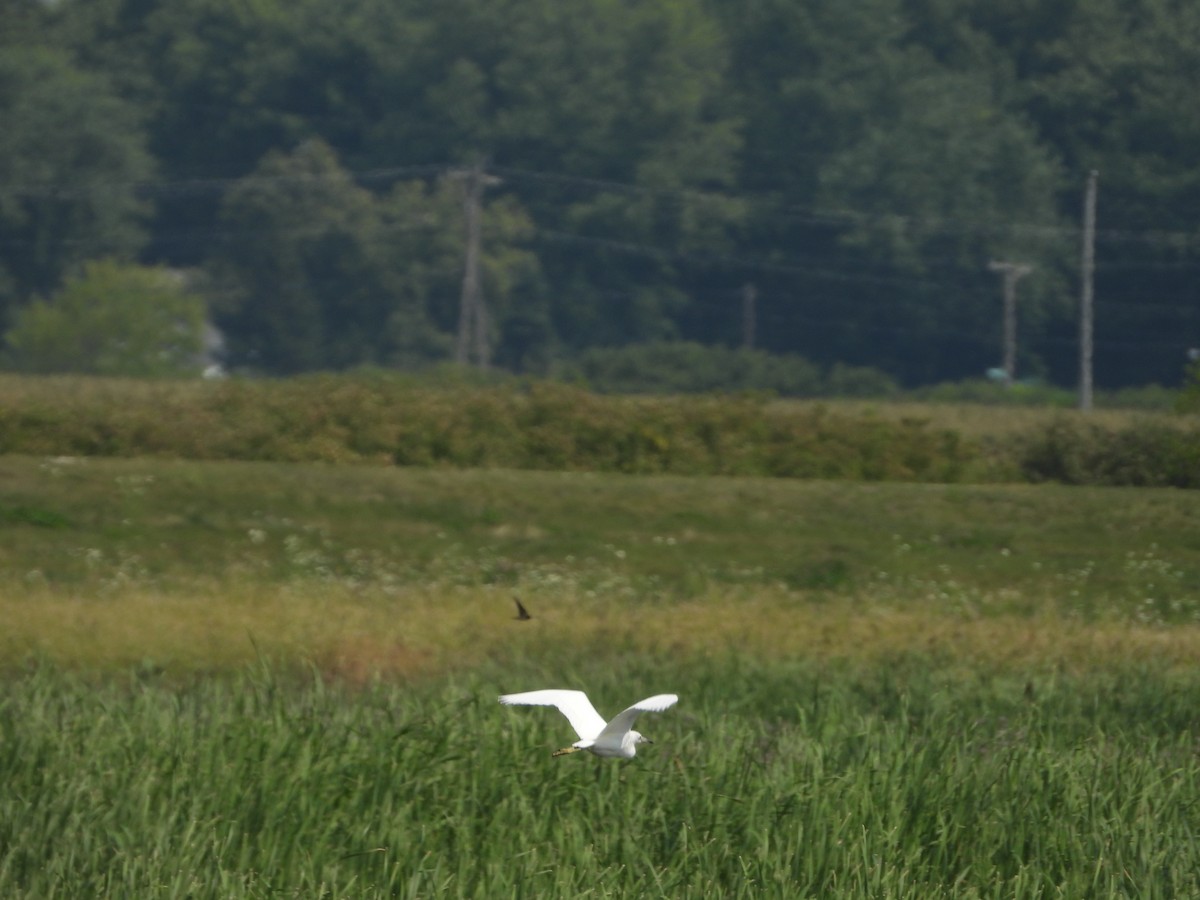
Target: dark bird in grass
(522, 613)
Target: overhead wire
(769, 206)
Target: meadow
(259, 679)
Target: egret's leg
(565, 750)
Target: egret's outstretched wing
(624, 720)
(573, 704)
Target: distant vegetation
(682, 367)
(821, 179)
(382, 418)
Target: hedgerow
(379, 419)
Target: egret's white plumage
(615, 738)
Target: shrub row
(1147, 454)
(683, 367)
(538, 426)
(381, 419)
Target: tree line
(814, 178)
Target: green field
(260, 680)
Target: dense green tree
(294, 262)
(317, 272)
(523, 337)
(858, 163)
(941, 183)
(908, 177)
(612, 90)
(606, 117)
(422, 238)
(1106, 85)
(22, 22)
(71, 159)
(1114, 93)
(113, 319)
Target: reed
(775, 780)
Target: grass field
(260, 680)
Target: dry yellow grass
(354, 635)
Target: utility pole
(472, 314)
(749, 298)
(1012, 272)
(1085, 299)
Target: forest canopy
(814, 179)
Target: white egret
(615, 738)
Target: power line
(179, 187)
(764, 204)
(743, 262)
(1085, 302)
(848, 271)
(845, 216)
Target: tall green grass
(776, 780)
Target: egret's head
(636, 737)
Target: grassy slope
(186, 564)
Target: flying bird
(522, 613)
(616, 738)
